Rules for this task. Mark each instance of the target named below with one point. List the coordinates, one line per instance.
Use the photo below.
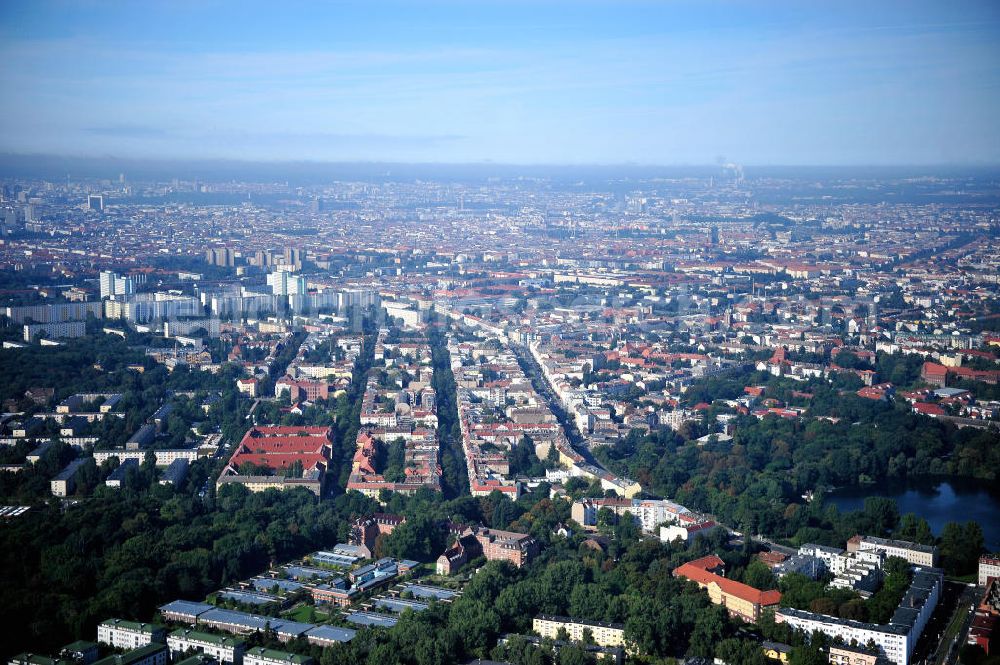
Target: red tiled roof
(929, 409)
(696, 571)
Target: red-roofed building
(928, 409)
(366, 530)
(883, 392)
(934, 374)
(276, 453)
(771, 559)
(739, 599)
(983, 630)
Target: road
(945, 632)
(534, 374)
(789, 551)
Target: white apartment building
(112, 285)
(262, 656)
(650, 513)
(674, 419)
(605, 634)
(123, 634)
(225, 649)
(896, 639)
(918, 555)
(145, 307)
(398, 310)
(285, 283)
(860, 570)
(828, 555)
(61, 329)
(989, 566)
(892, 641)
(164, 457)
(686, 532)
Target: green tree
(419, 537)
(709, 629)
(961, 545)
(915, 529)
(759, 576)
(740, 652)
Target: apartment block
(223, 648)
(605, 634)
(989, 566)
(918, 555)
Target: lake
(937, 501)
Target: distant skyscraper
(263, 258)
(113, 285)
(293, 257)
(95, 202)
(713, 235)
(10, 221)
(107, 284)
(220, 256)
(284, 283)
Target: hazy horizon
(549, 83)
(491, 162)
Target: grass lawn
(302, 613)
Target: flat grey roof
(902, 544)
(308, 571)
(825, 618)
(424, 591)
(235, 618)
(372, 619)
(267, 583)
(254, 621)
(249, 597)
(400, 605)
(187, 607)
(331, 633)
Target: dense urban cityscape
(518, 417)
(500, 332)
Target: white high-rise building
(285, 283)
(113, 285)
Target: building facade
(262, 656)
(894, 640)
(123, 634)
(739, 599)
(918, 555)
(604, 634)
(224, 649)
(989, 566)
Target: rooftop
(134, 656)
(207, 638)
(902, 544)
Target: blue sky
(655, 82)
